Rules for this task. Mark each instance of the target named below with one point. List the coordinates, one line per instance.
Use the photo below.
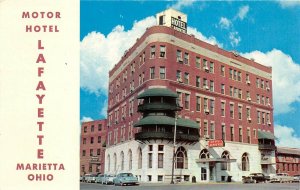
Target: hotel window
(152, 52)
(162, 72)
(247, 78)
(83, 152)
(205, 67)
(162, 51)
(130, 159)
(268, 101)
(140, 79)
(258, 117)
(198, 62)
(234, 74)
(160, 147)
(152, 72)
(235, 92)
(186, 58)
(92, 140)
(205, 106)
(225, 165)
(248, 113)
(212, 107)
(197, 81)
(240, 93)
(245, 162)
(223, 132)
(99, 127)
(231, 111)
(162, 20)
(92, 128)
(187, 101)
(91, 152)
(230, 73)
(211, 86)
(85, 129)
(212, 130)
(240, 135)
(205, 132)
(160, 160)
(231, 133)
(240, 112)
(257, 82)
(248, 95)
(205, 83)
(186, 78)
(248, 135)
(262, 84)
(231, 91)
(198, 104)
(178, 75)
(211, 67)
(267, 85)
(143, 80)
(98, 151)
(268, 119)
(84, 141)
(222, 88)
(181, 158)
(239, 76)
(150, 147)
(140, 158)
(254, 133)
(179, 56)
(99, 139)
(262, 100)
(90, 168)
(263, 115)
(144, 57)
(150, 160)
(257, 98)
(122, 160)
(179, 99)
(222, 71)
(223, 109)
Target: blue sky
(266, 31)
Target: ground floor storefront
(151, 161)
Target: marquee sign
(216, 143)
(178, 25)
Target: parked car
(125, 179)
(81, 178)
(296, 178)
(100, 178)
(281, 178)
(255, 178)
(90, 178)
(108, 179)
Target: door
(203, 174)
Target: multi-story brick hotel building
(221, 103)
(92, 146)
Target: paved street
(217, 186)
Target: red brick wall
(85, 160)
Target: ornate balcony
(266, 147)
(158, 106)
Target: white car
(108, 179)
(281, 178)
(90, 178)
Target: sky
(268, 31)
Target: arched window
(115, 162)
(108, 162)
(140, 159)
(130, 159)
(181, 158)
(245, 162)
(204, 154)
(122, 160)
(225, 165)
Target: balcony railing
(266, 147)
(166, 135)
(158, 106)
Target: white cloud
(286, 137)
(234, 38)
(99, 53)
(243, 11)
(103, 111)
(289, 3)
(225, 23)
(285, 76)
(182, 3)
(86, 119)
(211, 39)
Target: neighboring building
(227, 95)
(92, 146)
(288, 160)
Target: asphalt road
(216, 186)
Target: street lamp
(174, 144)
